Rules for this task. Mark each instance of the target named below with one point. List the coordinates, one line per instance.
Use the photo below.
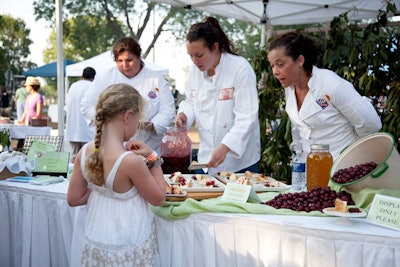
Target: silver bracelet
(156, 163)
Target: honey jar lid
(319, 147)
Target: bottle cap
(319, 146)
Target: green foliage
(366, 56)
(14, 48)
(391, 116)
(83, 37)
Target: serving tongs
(197, 166)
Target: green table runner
(180, 210)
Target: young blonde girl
(117, 185)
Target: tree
(109, 20)
(85, 34)
(14, 49)
(83, 37)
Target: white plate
(344, 214)
(258, 186)
(196, 186)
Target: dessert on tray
(259, 181)
(194, 182)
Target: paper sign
(52, 163)
(38, 146)
(240, 193)
(385, 211)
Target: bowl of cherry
(370, 162)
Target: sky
(165, 52)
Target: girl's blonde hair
(115, 100)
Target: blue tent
(48, 70)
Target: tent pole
(60, 67)
(263, 33)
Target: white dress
(119, 228)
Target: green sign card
(39, 147)
(385, 211)
(51, 163)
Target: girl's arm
(78, 191)
(148, 178)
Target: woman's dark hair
(88, 73)
(129, 44)
(210, 31)
(296, 44)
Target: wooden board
(194, 195)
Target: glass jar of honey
(176, 150)
(318, 166)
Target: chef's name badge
(225, 94)
(385, 211)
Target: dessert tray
(181, 186)
(260, 182)
(195, 182)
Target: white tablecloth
(20, 131)
(38, 228)
(272, 240)
(36, 225)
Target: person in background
(159, 109)
(221, 95)
(33, 103)
(20, 99)
(5, 97)
(78, 131)
(178, 97)
(117, 185)
(322, 107)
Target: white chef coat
(77, 130)
(332, 113)
(225, 107)
(159, 102)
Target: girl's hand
(138, 147)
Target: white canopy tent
(269, 13)
(103, 62)
(284, 12)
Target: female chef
(221, 94)
(322, 107)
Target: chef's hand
(218, 156)
(138, 147)
(180, 120)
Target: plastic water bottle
(298, 172)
